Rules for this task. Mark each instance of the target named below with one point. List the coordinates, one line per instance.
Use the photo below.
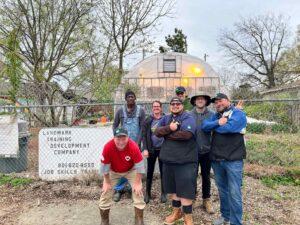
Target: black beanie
(129, 92)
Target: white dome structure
(157, 76)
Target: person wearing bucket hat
(200, 112)
(181, 93)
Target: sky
(202, 21)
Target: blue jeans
(229, 178)
(120, 186)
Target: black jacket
(179, 146)
(230, 147)
(203, 138)
(146, 135)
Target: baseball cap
(120, 132)
(180, 89)
(175, 99)
(219, 96)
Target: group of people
(189, 137)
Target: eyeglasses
(175, 104)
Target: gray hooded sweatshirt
(203, 139)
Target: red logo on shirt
(127, 158)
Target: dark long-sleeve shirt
(180, 145)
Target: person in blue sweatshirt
(228, 150)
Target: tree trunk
(271, 78)
(121, 58)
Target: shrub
(275, 111)
(284, 128)
(274, 180)
(256, 128)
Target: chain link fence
(65, 141)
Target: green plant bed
(275, 180)
(13, 181)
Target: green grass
(275, 180)
(273, 149)
(13, 181)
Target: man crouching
(121, 157)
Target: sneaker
(221, 221)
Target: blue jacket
(227, 140)
(236, 123)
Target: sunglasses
(176, 104)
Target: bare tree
(257, 43)
(129, 22)
(52, 38)
(229, 77)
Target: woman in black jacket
(151, 148)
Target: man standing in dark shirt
(200, 112)
(179, 157)
(130, 117)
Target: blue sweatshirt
(236, 123)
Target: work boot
(175, 215)
(188, 219)
(117, 196)
(148, 191)
(127, 191)
(207, 205)
(104, 216)
(139, 216)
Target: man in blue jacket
(227, 153)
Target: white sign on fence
(9, 138)
(65, 153)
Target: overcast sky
(202, 20)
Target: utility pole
(205, 56)
(144, 53)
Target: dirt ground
(75, 202)
(53, 203)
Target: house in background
(157, 76)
